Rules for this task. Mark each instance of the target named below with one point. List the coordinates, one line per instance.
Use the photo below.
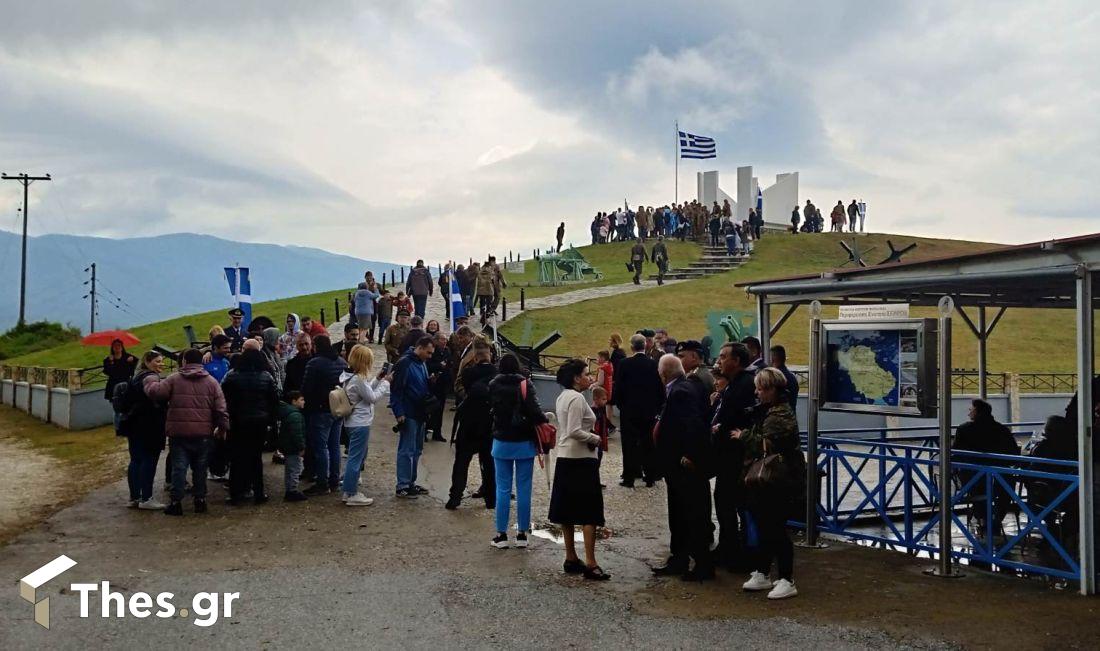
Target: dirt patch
(28, 482)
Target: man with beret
(234, 330)
(690, 353)
(394, 335)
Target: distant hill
(148, 279)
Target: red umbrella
(105, 337)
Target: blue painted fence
(881, 486)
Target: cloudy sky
(447, 128)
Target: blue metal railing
(884, 490)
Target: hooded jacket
(363, 393)
(289, 340)
(410, 386)
(364, 300)
(292, 429)
(419, 282)
(250, 394)
(196, 405)
(276, 365)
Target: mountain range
(149, 279)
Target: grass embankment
(170, 333)
(32, 337)
(609, 259)
(1025, 340)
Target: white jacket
(575, 422)
(362, 393)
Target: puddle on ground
(553, 533)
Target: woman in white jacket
(363, 392)
(576, 498)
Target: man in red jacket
(196, 413)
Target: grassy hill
(609, 259)
(1025, 341)
(170, 333)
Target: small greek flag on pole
(693, 146)
(458, 308)
(241, 289)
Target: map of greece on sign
(872, 367)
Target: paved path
(437, 310)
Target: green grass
(33, 337)
(609, 259)
(170, 333)
(1025, 341)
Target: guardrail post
(522, 299)
(813, 482)
(945, 568)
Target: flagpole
(676, 156)
(450, 295)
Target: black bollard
(323, 317)
(503, 309)
(336, 303)
(522, 299)
(402, 275)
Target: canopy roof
(1041, 274)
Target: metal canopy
(1042, 275)
(1053, 274)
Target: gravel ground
(409, 574)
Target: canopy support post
(1085, 475)
(945, 568)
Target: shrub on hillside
(33, 337)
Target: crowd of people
(812, 221)
(311, 401)
(680, 221)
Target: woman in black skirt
(576, 499)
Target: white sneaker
(783, 589)
(151, 505)
(521, 540)
(344, 497)
(133, 504)
(359, 499)
(756, 583)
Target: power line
(26, 180)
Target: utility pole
(91, 294)
(26, 181)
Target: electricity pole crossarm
(91, 295)
(26, 180)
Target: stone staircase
(714, 260)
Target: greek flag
(458, 308)
(241, 289)
(693, 146)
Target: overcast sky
(439, 128)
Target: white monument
(778, 199)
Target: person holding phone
(363, 392)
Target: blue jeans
(189, 452)
(383, 323)
(420, 303)
(409, 446)
(357, 454)
(142, 469)
(324, 437)
(523, 469)
(731, 244)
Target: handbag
(546, 435)
(768, 474)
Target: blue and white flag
(241, 289)
(693, 146)
(458, 307)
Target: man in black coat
(639, 395)
(982, 433)
(732, 412)
(683, 451)
(252, 400)
(475, 429)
